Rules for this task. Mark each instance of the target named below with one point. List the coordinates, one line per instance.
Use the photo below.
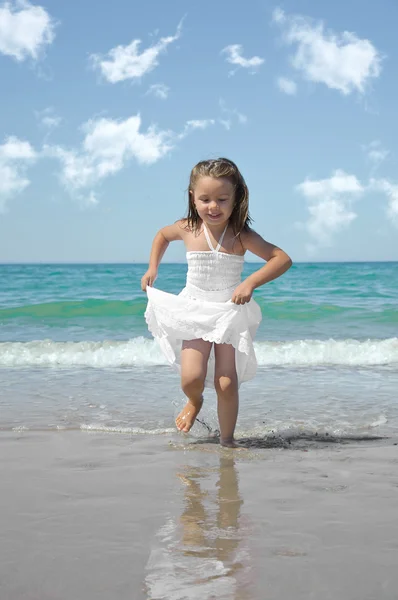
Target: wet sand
(102, 516)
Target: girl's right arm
(159, 246)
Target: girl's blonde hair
(221, 167)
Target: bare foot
(230, 444)
(187, 416)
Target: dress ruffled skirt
(211, 316)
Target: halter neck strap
(209, 241)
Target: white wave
(129, 430)
(138, 351)
(144, 352)
(286, 428)
(381, 420)
(328, 352)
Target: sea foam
(144, 352)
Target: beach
(101, 497)
(94, 515)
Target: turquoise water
(329, 332)
(359, 300)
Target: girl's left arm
(277, 263)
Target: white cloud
(51, 122)
(288, 86)
(125, 62)
(343, 62)
(391, 191)
(109, 145)
(91, 199)
(375, 153)
(328, 203)
(15, 156)
(16, 149)
(160, 90)
(339, 183)
(47, 118)
(230, 113)
(25, 29)
(234, 56)
(278, 15)
(226, 123)
(195, 124)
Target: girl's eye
(206, 200)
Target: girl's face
(214, 199)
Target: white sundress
(204, 310)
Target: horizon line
(301, 262)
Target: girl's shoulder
(255, 243)
(251, 240)
(247, 236)
(187, 229)
(183, 227)
(179, 230)
(182, 224)
(173, 232)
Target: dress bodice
(213, 271)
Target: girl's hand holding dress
(242, 293)
(149, 278)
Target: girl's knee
(225, 382)
(192, 385)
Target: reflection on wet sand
(204, 554)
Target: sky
(106, 107)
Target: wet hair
(221, 167)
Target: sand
(100, 516)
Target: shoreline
(285, 440)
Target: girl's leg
(194, 357)
(226, 384)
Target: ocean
(75, 352)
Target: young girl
(207, 330)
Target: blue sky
(106, 107)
